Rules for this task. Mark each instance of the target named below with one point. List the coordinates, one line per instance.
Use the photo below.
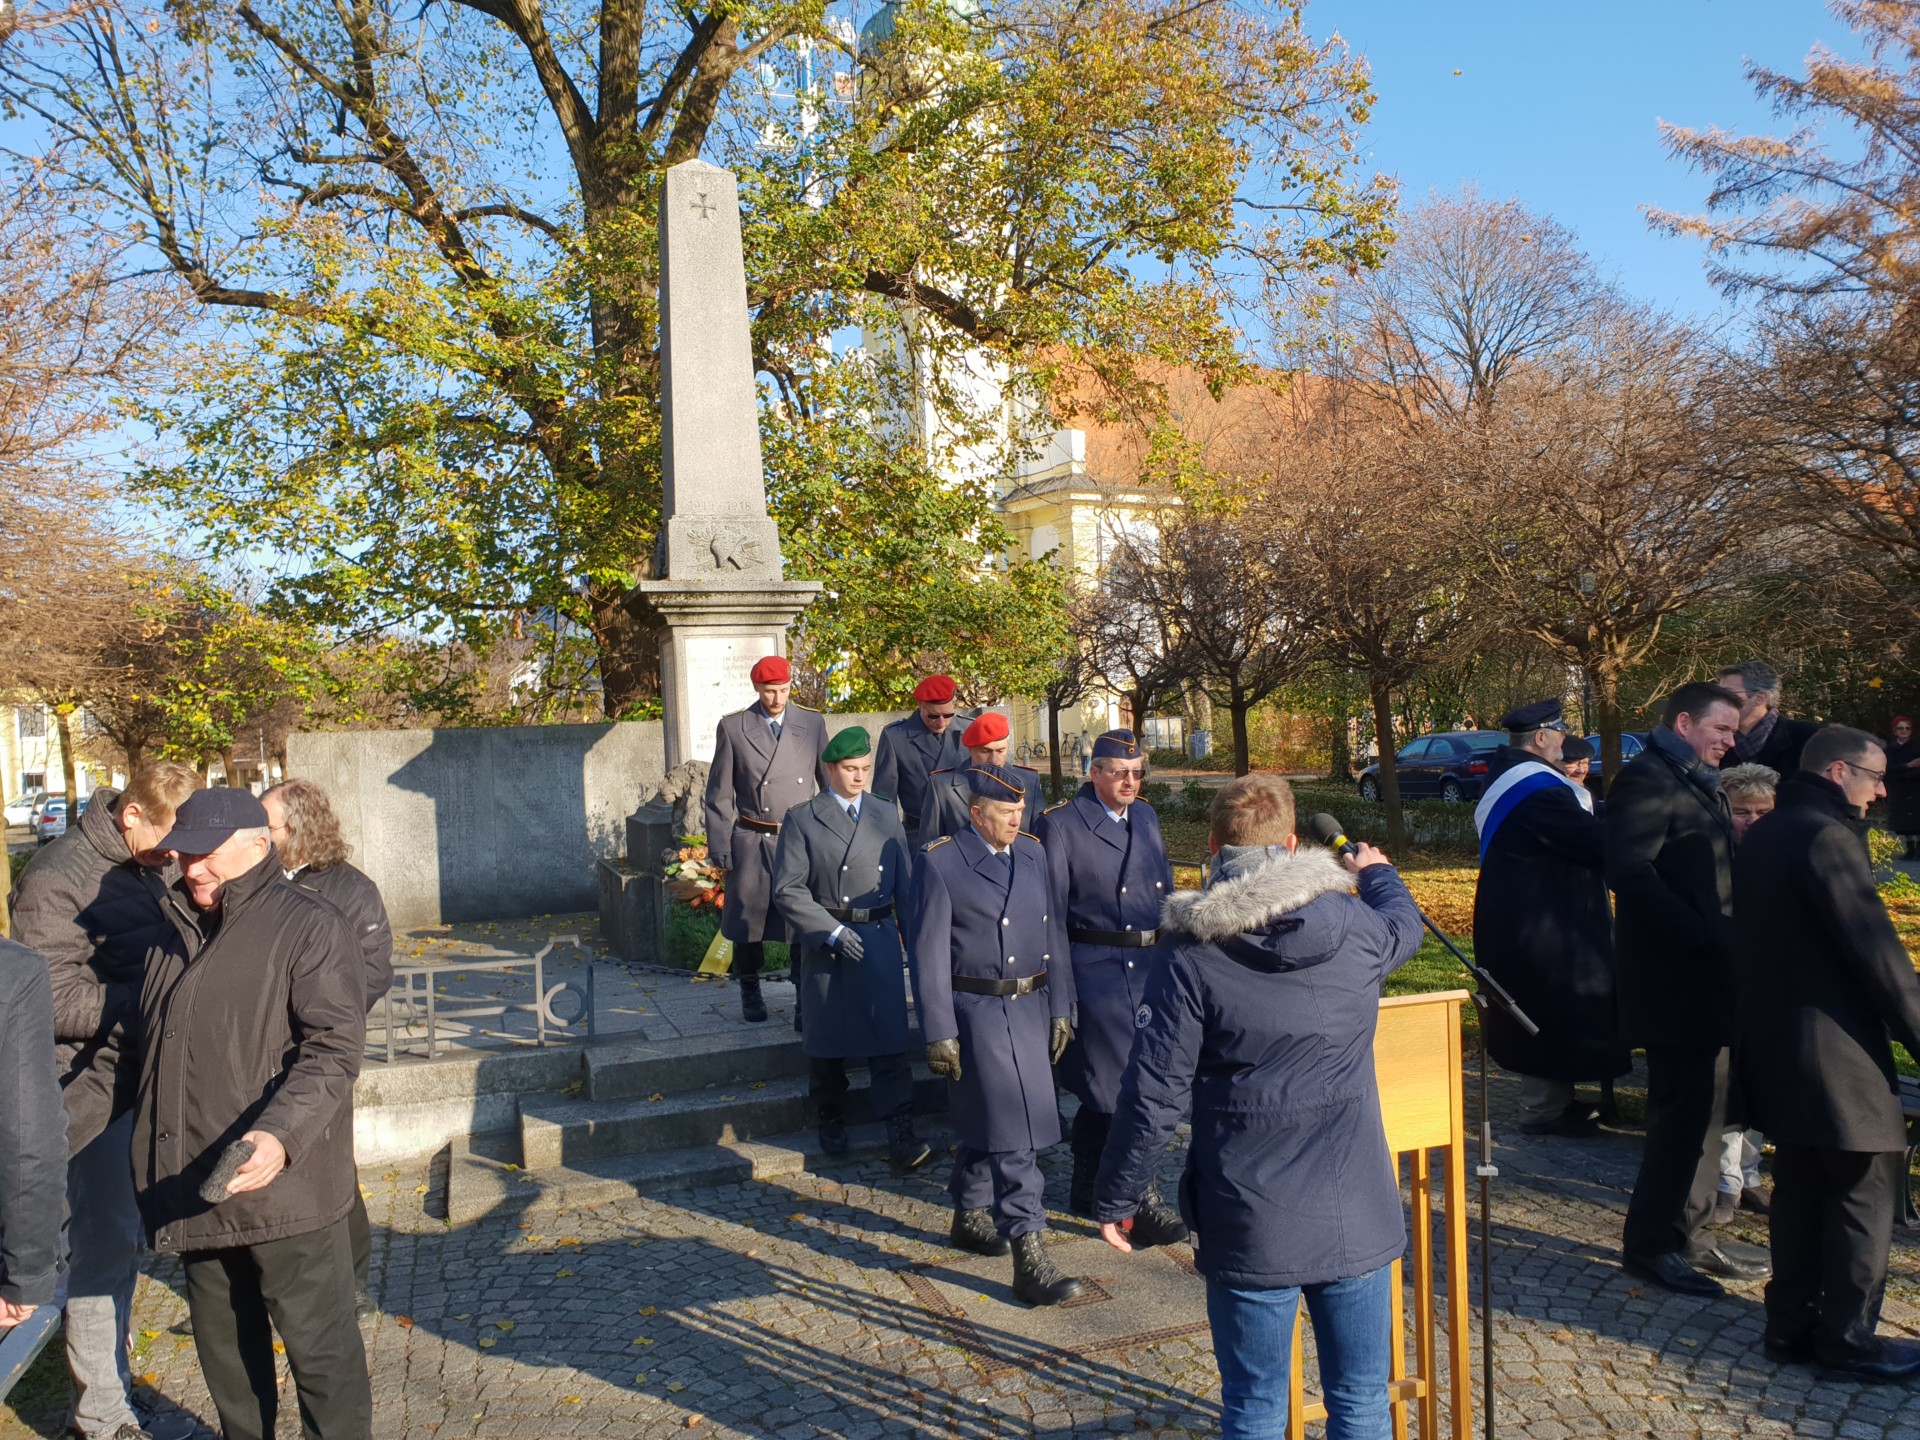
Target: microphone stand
(1488, 994)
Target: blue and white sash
(1529, 777)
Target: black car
(1448, 766)
(1632, 742)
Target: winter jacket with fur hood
(1264, 1017)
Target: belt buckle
(859, 917)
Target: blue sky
(1557, 103)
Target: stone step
(479, 1183)
(571, 1132)
(633, 1069)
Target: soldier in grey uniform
(913, 747)
(838, 880)
(948, 797)
(766, 760)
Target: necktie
(1006, 863)
(853, 813)
(774, 725)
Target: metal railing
(414, 1006)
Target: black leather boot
(833, 1130)
(973, 1231)
(752, 1006)
(1156, 1222)
(1036, 1279)
(906, 1151)
(1089, 1139)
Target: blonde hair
(159, 789)
(1749, 780)
(1253, 810)
(313, 836)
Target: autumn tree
(431, 233)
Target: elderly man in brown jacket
(254, 1034)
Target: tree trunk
(6, 915)
(63, 727)
(1382, 695)
(1053, 751)
(1340, 746)
(1242, 752)
(136, 758)
(629, 650)
(1606, 688)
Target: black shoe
(364, 1305)
(1089, 1142)
(906, 1151)
(1036, 1279)
(1576, 1122)
(833, 1134)
(973, 1231)
(752, 1006)
(1730, 1261)
(1671, 1272)
(1156, 1223)
(1760, 1202)
(1789, 1352)
(1887, 1363)
(1725, 1207)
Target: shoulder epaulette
(944, 770)
(1061, 806)
(935, 844)
(796, 705)
(878, 796)
(1033, 837)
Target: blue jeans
(1253, 1345)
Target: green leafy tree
(431, 233)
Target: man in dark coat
(1823, 979)
(949, 796)
(838, 878)
(33, 1138)
(1542, 926)
(1903, 786)
(766, 760)
(1110, 864)
(1263, 1018)
(1670, 865)
(913, 747)
(90, 902)
(989, 941)
(1766, 736)
(255, 1027)
(312, 851)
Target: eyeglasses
(1863, 770)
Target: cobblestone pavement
(827, 1305)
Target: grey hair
(1837, 742)
(1758, 676)
(256, 832)
(1749, 779)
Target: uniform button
(1129, 927)
(846, 899)
(1158, 885)
(1129, 964)
(843, 867)
(166, 1135)
(1123, 889)
(1005, 921)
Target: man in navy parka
(1264, 1016)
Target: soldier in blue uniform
(948, 795)
(840, 872)
(914, 747)
(766, 760)
(1109, 864)
(989, 950)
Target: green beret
(845, 745)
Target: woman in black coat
(1903, 786)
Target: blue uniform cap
(1116, 745)
(1541, 715)
(995, 782)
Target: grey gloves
(943, 1058)
(1057, 1038)
(849, 944)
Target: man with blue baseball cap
(995, 990)
(254, 1027)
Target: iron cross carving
(705, 206)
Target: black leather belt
(859, 917)
(967, 985)
(765, 827)
(912, 822)
(1125, 939)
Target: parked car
(50, 821)
(1449, 766)
(19, 810)
(1632, 742)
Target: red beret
(934, 690)
(991, 726)
(773, 670)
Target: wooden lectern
(1416, 1055)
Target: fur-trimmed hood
(1257, 897)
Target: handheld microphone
(1323, 829)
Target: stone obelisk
(717, 582)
